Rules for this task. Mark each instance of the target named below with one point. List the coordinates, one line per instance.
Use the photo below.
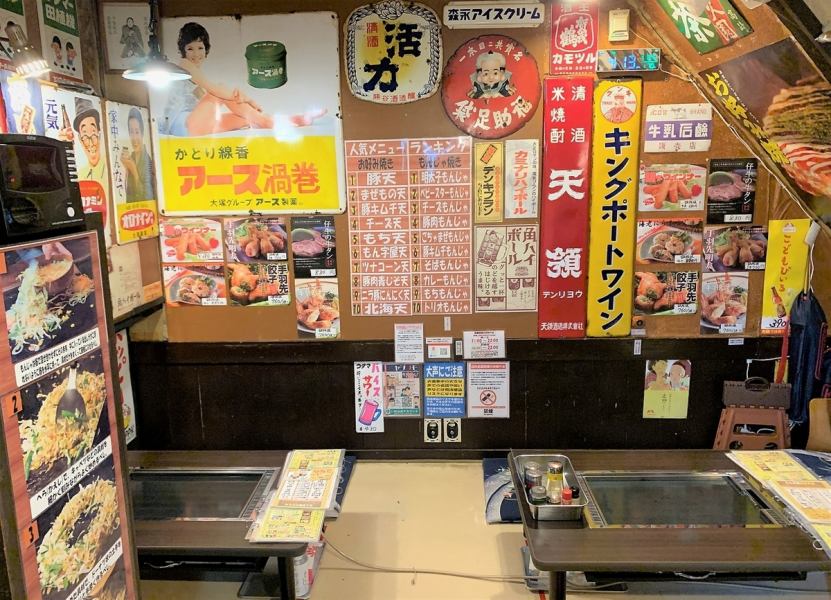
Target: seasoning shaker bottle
(554, 482)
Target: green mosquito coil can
(266, 64)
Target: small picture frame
(125, 31)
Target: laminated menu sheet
(296, 509)
(309, 479)
(806, 495)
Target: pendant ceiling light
(156, 70)
(27, 61)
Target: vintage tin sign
(493, 15)
(574, 32)
(491, 87)
(565, 211)
(393, 52)
(617, 125)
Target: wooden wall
(362, 120)
(241, 392)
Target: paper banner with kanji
(261, 130)
(617, 129)
(489, 163)
(787, 261)
(506, 268)
(565, 206)
(410, 223)
(522, 179)
(574, 33)
(393, 52)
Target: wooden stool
(727, 438)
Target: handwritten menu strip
(410, 214)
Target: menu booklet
(296, 509)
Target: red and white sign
(574, 32)
(491, 87)
(565, 206)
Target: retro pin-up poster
(491, 87)
(60, 39)
(79, 119)
(393, 52)
(258, 126)
(131, 171)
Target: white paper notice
(409, 342)
(128, 408)
(489, 389)
(484, 344)
(440, 347)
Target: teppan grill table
(560, 546)
(186, 511)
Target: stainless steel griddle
(192, 511)
(214, 494)
(674, 499)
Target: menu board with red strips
(409, 208)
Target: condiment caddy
(561, 477)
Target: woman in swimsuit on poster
(199, 106)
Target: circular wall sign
(618, 104)
(491, 86)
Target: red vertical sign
(574, 32)
(565, 206)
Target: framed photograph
(126, 33)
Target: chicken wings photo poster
(257, 127)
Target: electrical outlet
(452, 430)
(432, 431)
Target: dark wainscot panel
(564, 394)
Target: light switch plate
(619, 25)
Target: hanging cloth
(805, 344)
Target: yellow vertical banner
(614, 199)
(785, 270)
(489, 159)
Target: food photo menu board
(65, 510)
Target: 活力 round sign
(491, 86)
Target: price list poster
(410, 216)
(64, 508)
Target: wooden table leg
(557, 587)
